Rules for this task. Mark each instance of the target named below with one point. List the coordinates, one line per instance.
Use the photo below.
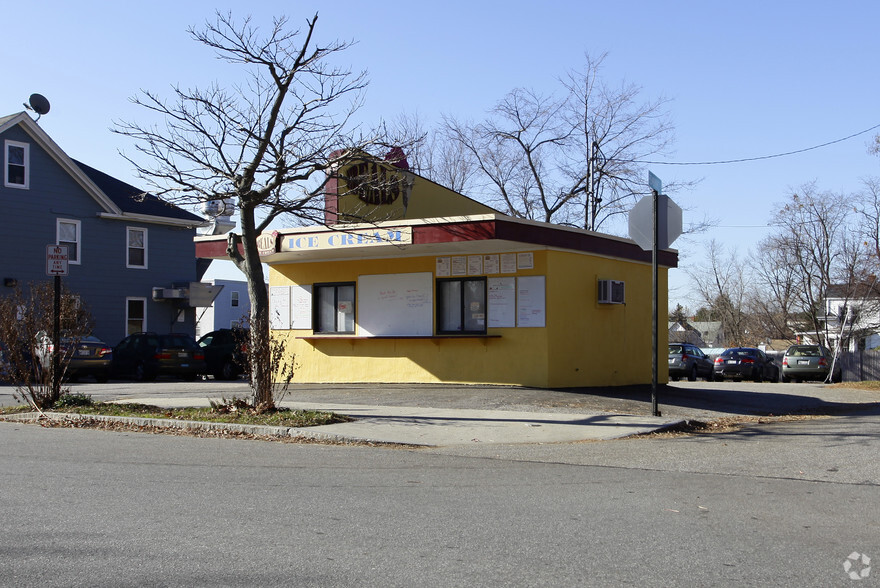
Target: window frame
(27, 164)
(128, 318)
(234, 298)
(316, 308)
(442, 305)
(78, 240)
(128, 248)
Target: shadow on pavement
(734, 400)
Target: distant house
(131, 254)
(231, 307)
(852, 316)
(704, 334)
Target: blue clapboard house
(131, 255)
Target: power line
(744, 159)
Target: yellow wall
(427, 200)
(584, 343)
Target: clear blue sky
(745, 79)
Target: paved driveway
(685, 400)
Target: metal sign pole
(56, 341)
(654, 410)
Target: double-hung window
(334, 308)
(69, 232)
(233, 298)
(461, 306)
(16, 172)
(136, 252)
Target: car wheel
(101, 377)
(758, 376)
(692, 377)
(142, 374)
(786, 379)
(718, 378)
(188, 377)
(229, 371)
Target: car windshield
(738, 353)
(675, 349)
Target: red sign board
(56, 260)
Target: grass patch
(866, 385)
(217, 413)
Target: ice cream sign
(342, 239)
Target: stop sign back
(641, 222)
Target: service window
(461, 306)
(333, 310)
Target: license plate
(183, 355)
(82, 352)
(803, 362)
(671, 361)
(731, 361)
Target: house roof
(116, 199)
(860, 290)
(134, 200)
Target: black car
(689, 361)
(145, 356)
(745, 363)
(226, 352)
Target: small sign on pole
(56, 260)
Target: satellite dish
(39, 104)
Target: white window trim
(146, 249)
(127, 318)
(79, 245)
(27, 165)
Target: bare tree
(433, 154)
(268, 144)
(813, 241)
(723, 289)
(570, 160)
(26, 347)
(773, 297)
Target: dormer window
(16, 164)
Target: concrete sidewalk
(436, 427)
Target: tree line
(824, 245)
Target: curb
(296, 433)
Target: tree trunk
(260, 349)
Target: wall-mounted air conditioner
(612, 292)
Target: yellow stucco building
(445, 289)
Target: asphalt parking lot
(685, 400)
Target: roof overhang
(488, 233)
(154, 220)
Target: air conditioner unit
(170, 293)
(612, 292)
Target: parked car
(808, 362)
(88, 356)
(689, 361)
(226, 352)
(145, 356)
(82, 356)
(741, 363)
